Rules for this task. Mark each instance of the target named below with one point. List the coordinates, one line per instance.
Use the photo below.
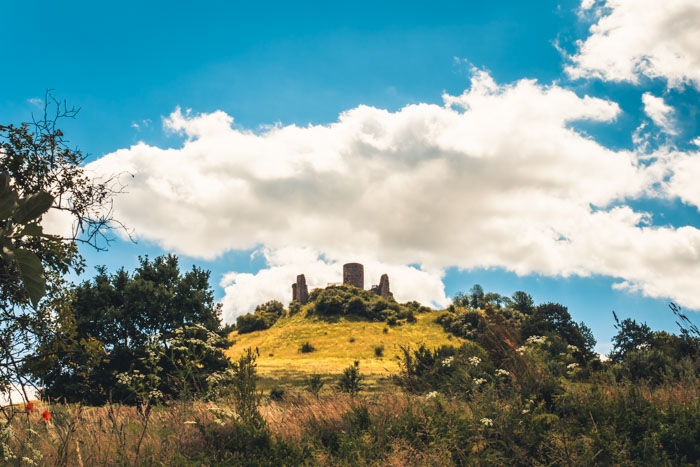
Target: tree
(40, 174)
(630, 336)
(477, 297)
(522, 302)
(554, 320)
(116, 324)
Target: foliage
(350, 381)
(306, 347)
(655, 356)
(39, 176)
(246, 396)
(113, 324)
(314, 384)
(345, 300)
(553, 319)
(264, 317)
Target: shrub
(350, 381)
(379, 351)
(276, 394)
(306, 347)
(314, 384)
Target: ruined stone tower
(300, 291)
(354, 274)
(383, 288)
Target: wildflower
(502, 372)
(479, 381)
(431, 395)
(486, 421)
(525, 411)
(474, 361)
(46, 415)
(30, 406)
(190, 422)
(448, 361)
(536, 340)
(572, 366)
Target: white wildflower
(448, 361)
(536, 340)
(479, 381)
(431, 395)
(486, 421)
(502, 372)
(475, 361)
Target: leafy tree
(554, 320)
(476, 297)
(522, 302)
(40, 174)
(264, 317)
(114, 323)
(630, 336)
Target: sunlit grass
(337, 344)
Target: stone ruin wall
(353, 274)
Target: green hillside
(337, 342)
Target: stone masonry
(300, 292)
(353, 274)
(383, 288)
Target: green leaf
(32, 272)
(8, 203)
(33, 206)
(32, 230)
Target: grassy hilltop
(337, 343)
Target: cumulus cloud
(633, 38)
(659, 112)
(495, 177)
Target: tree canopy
(114, 323)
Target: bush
(379, 351)
(276, 394)
(314, 384)
(306, 347)
(350, 381)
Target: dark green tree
(476, 297)
(41, 174)
(523, 302)
(553, 320)
(115, 323)
(630, 336)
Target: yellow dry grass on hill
(338, 343)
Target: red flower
(30, 406)
(46, 415)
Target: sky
(548, 146)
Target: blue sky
(543, 146)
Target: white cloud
(657, 39)
(497, 177)
(659, 112)
(683, 183)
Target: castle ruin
(353, 274)
(300, 292)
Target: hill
(337, 342)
